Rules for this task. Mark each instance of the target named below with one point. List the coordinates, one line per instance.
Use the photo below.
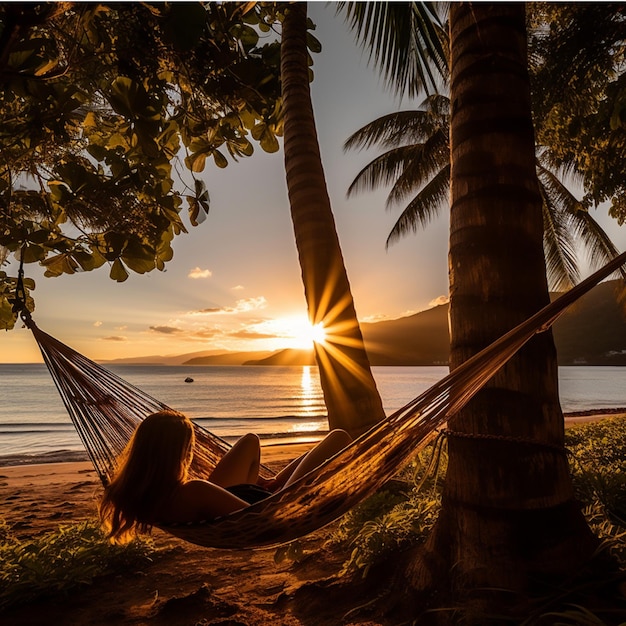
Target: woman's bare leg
(335, 441)
(240, 464)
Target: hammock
(106, 410)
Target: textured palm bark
(508, 513)
(350, 392)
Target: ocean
(280, 404)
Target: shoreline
(32, 488)
(49, 463)
(272, 451)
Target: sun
(299, 333)
(317, 332)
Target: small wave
(48, 425)
(12, 429)
(262, 418)
(317, 434)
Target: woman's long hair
(153, 464)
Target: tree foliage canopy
(577, 52)
(100, 106)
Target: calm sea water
(278, 403)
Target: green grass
(58, 562)
(402, 514)
(598, 465)
(399, 516)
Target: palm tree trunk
(350, 392)
(508, 513)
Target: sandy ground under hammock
(187, 586)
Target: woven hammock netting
(105, 410)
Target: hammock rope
(106, 409)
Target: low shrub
(60, 561)
(403, 512)
(399, 515)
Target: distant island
(591, 332)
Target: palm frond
(384, 169)
(427, 162)
(405, 40)
(424, 207)
(563, 166)
(402, 127)
(576, 219)
(391, 130)
(558, 246)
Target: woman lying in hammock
(151, 484)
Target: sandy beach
(185, 585)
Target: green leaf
(268, 142)
(194, 210)
(118, 271)
(59, 264)
(312, 43)
(59, 190)
(220, 159)
(89, 261)
(196, 162)
(7, 317)
(138, 257)
(248, 37)
(115, 243)
(258, 130)
(130, 99)
(39, 236)
(33, 253)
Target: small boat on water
(188, 379)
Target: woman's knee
(250, 442)
(251, 439)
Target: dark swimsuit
(248, 492)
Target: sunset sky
(234, 282)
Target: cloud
(114, 338)
(244, 305)
(97, 324)
(250, 304)
(378, 317)
(196, 273)
(206, 333)
(251, 334)
(439, 300)
(166, 330)
(237, 288)
(121, 327)
(210, 310)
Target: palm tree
(508, 514)
(417, 165)
(350, 393)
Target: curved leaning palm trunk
(350, 393)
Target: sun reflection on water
(311, 402)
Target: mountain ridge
(591, 332)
